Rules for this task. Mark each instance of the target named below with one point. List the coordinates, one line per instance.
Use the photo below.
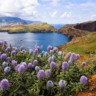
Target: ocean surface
(31, 40)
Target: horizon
(50, 11)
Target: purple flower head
(21, 68)
(30, 65)
(49, 83)
(73, 57)
(35, 51)
(3, 56)
(41, 75)
(8, 59)
(53, 64)
(68, 55)
(14, 63)
(15, 48)
(7, 69)
(13, 52)
(51, 51)
(78, 56)
(83, 80)
(39, 48)
(4, 64)
(35, 62)
(1, 43)
(49, 47)
(50, 59)
(83, 63)
(8, 49)
(65, 65)
(62, 83)
(53, 57)
(55, 48)
(30, 51)
(37, 68)
(39, 56)
(4, 84)
(60, 53)
(47, 73)
(46, 54)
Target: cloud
(66, 15)
(54, 14)
(21, 8)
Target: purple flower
(83, 63)
(4, 84)
(55, 48)
(65, 65)
(50, 59)
(73, 57)
(39, 48)
(83, 80)
(37, 68)
(4, 64)
(46, 54)
(60, 53)
(8, 49)
(41, 75)
(78, 56)
(53, 64)
(35, 51)
(39, 56)
(47, 73)
(68, 55)
(49, 47)
(13, 52)
(3, 56)
(30, 51)
(51, 51)
(21, 68)
(35, 62)
(62, 83)
(7, 69)
(8, 59)
(53, 57)
(30, 65)
(1, 42)
(14, 63)
(49, 83)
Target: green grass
(29, 28)
(82, 45)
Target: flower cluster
(39, 72)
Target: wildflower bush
(40, 73)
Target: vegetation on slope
(42, 27)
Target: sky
(50, 11)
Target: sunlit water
(31, 40)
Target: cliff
(79, 29)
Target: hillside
(79, 29)
(6, 21)
(42, 27)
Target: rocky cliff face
(89, 26)
(77, 30)
(71, 32)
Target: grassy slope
(82, 45)
(30, 28)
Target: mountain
(6, 21)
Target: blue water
(31, 40)
(58, 26)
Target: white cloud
(21, 8)
(54, 14)
(66, 15)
